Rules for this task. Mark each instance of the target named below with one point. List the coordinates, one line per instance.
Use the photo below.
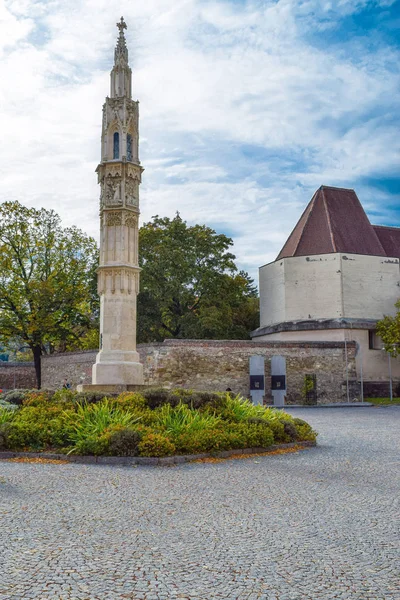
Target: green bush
(305, 432)
(38, 427)
(208, 440)
(156, 444)
(124, 442)
(16, 396)
(4, 429)
(8, 406)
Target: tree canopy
(388, 329)
(190, 285)
(47, 281)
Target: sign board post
(278, 380)
(257, 380)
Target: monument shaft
(119, 176)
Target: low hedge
(154, 423)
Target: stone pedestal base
(117, 367)
(110, 389)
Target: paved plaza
(316, 525)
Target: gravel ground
(315, 525)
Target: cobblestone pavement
(315, 525)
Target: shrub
(8, 406)
(131, 400)
(90, 397)
(16, 396)
(250, 435)
(38, 427)
(290, 431)
(209, 440)
(64, 395)
(124, 442)
(156, 444)
(36, 398)
(305, 432)
(158, 396)
(198, 399)
(4, 428)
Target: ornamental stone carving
(131, 221)
(113, 218)
(112, 194)
(131, 192)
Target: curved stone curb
(149, 461)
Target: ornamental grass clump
(92, 425)
(182, 419)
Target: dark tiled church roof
(389, 237)
(335, 221)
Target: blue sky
(246, 108)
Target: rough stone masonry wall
(218, 364)
(18, 375)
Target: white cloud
(241, 116)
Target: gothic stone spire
(119, 176)
(121, 51)
(121, 74)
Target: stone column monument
(119, 175)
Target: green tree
(190, 286)
(47, 297)
(389, 331)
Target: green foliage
(156, 444)
(4, 429)
(389, 331)
(181, 419)
(124, 442)
(16, 396)
(37, 428)
(6, 415)
(4, 405)
(127, 426)
(305, 432)
(240, 409)
(308, 387)
(47, 276)
(92, 424)
(190, 287)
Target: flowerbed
(155, 423)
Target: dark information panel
(278, 382)
(256, 382)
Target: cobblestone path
(316, 525)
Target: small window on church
(129, 147)
(116, 145)
(374, 341)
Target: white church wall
(313, 287)
(272, 293)
(298, 288)
(371, 286)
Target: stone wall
(218, 364)
(17, 375)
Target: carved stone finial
(121, 25)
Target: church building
(335, 277)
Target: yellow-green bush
(156, 444)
